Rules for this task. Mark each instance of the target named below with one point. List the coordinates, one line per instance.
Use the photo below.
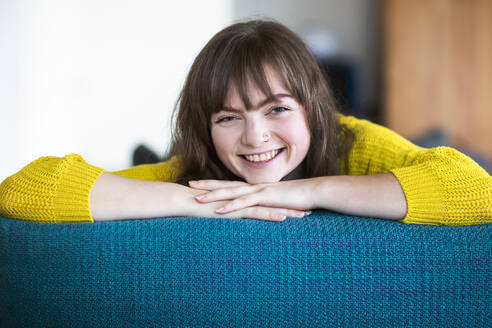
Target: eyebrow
(261, 104)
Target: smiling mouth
(263, 157)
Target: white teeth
(263, 157)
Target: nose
(254, 133)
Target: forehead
(255, 94)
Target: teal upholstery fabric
(320, 271)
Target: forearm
(117, 198)
(378, 195)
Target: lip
(261, 164)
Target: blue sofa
(321, 271)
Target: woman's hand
(295, 194)
(210, 208)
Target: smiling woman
(257, 135)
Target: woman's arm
(68, 189)
(114, 197)
(376, 195)
(441, 185)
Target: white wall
(9, 76)
(95, 77)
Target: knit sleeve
(50, 190)
(57, 189)
(441, 185)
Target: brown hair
(234, 56)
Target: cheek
(223, 142)
(297, 134)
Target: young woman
(257, 136)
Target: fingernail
(307, 213)
(200, 196)
(220, 210)
(192, 182)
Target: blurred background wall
(438, 73)
(98, 78)
(343, 33)
(95, 77)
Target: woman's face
(264, 144)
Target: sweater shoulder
(163, 171)
(366, 131)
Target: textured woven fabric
(321, 271)
(441, 185)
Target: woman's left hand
(293, 194)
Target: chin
(260, 180)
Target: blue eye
(279, 110)
(225, 119)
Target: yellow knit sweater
(441, 185)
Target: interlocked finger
(242, 202)
(226, 193)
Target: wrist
(321, 191)
(181, 201)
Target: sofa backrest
(320, 271)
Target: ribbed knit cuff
(426, 201)
(72, 201)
